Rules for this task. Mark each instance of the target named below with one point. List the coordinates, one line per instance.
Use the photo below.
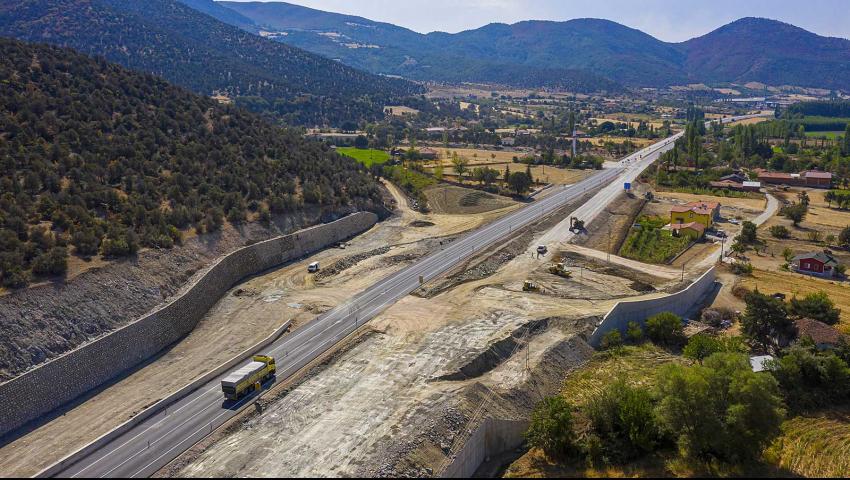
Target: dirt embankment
(47, 320)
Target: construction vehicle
(529, 286)
(560, 270)
(249, 378)
(576, 225)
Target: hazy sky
(669, 20)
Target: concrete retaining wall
(492, 437)
(65, 378)
(680, 303)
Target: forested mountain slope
(96, 158)
(192, 49)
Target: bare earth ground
(396, 402)
(246, 315)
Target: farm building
(812, 179)
(820, 264)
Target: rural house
(820, 264)
(704, 213)
(694, 230)
(822, 335)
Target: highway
(161, 438)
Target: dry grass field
(815, 446)
(454, 200)
(790, 283)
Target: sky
(668, 20)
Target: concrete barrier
(680, 303)
(65, 378)
(492, 437)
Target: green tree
(765, 322)
(665, 329)
(720, 409)
(622, 417)
(749, 233)
(612, 339)
(812, 379)
(551, 428)
(519, 182)
(816, 306)
(796, 213)
(460, 165)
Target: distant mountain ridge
(542, 52)
(195, 50)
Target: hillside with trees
(98, 159)
(194, 50)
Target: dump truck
(560, 270)
(249, 378)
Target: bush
(15, 278)
(779, 231)
(612, 339)
(622, 418)
(702, 346)
(719, 410)
(742, 268)
(765, 322)
(665, 329)
(634, 332)
(51, 263)
(551, 428)
(816, 306)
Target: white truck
(313, 267)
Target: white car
(542, 249)
(313, 267)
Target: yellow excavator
(529, 286)
(560, 270)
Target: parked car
(313, 267)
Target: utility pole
(609, 241)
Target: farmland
(650, 244)
(367, 157)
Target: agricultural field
(651, 244)
(815, 445)
(367, 157)
(828, 135)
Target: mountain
(222, 13)
(595, 53)
(95, 158)
(388, 49)
(771, 52)
(192, 49)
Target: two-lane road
(159, 439)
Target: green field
(829, 135)
(366, 157)
(650, 244)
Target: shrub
(612, 339)
(817, 306)
(634, 332)
(665, 329)
(622, 418)
(765, 321)
(551, 428)
(53, 262)
(779, 231)
(742, 268)
(702, 346)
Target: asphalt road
(156, 441)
